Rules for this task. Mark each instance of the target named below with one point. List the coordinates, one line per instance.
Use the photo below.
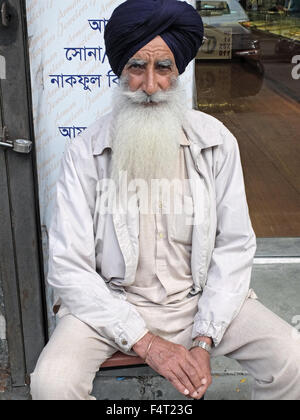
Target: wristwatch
(202, 344)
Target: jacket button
(124, 342)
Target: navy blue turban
(135, 23)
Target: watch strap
(202, 344)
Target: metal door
(21, 262)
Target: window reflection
(213, 8)
(225, 34)
(248, 76)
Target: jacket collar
(103, 136)
(202, 129)
(198, 127)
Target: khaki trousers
(265, 345)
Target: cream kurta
(163, 278)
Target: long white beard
(146, 139)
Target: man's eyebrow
(165, 63)
(139, 62)
(136, 61)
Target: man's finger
(194, 374)
(184, 380)
(205, 370)
(201, 391)
(179, 386)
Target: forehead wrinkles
(154, 52)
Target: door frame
(21, 256)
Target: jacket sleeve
(229, 273)
(72, 263)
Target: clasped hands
(187, 370)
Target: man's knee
(285, 364)
(58, 380)
(46, 382)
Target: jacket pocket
(181, 220)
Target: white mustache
(161, 96)
(141, 97)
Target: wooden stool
(120, 359)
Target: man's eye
(161, 67)
(136, 66)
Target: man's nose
(150, 82)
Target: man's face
(152, 68)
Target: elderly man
(142, 277)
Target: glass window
(248, 76)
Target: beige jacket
(92, 256)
